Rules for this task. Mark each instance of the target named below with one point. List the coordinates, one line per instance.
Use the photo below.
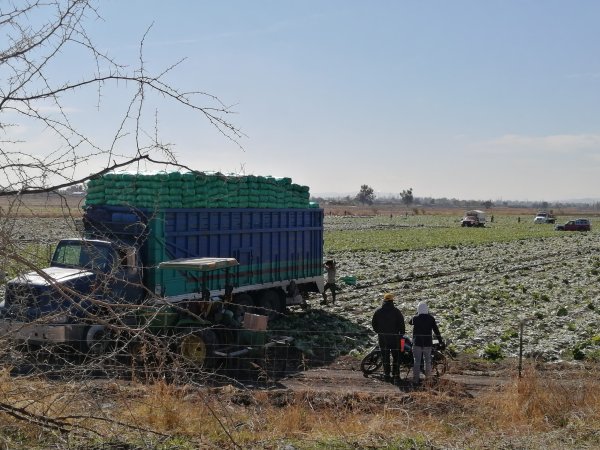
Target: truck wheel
(269, 304)
(95, 340)
(197, 346)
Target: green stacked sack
(196, 190)
(95, 192)
(188, 190)
(218, 194)
(300, 196)
(243, 192)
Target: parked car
(575, 225)
(474, 218)
(544, 217)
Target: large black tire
(371, 363)
(96, 340)
(196, 347)
(269, 304)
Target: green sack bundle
(197, 190)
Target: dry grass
(528, 412)
(536, 411)
(540, 404)
(42, 205)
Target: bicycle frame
(373, 361)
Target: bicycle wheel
(371, 363)
(439, 363)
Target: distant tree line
(366, 196)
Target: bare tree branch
(28, 92)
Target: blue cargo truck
(201, 270)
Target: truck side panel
(270, 245)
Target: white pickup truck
(544, 217)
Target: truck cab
(65, 294)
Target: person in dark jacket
(423, 326)
(388, 323)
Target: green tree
(407, 196)
(366, 195)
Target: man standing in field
(330, 281)
(424, 325)
(388, 323)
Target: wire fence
(209, 356)
(178, 354)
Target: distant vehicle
(474, 218)
(575, 225)
(544, 217)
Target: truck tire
(269, 304)
(196, 347)
(95, 340)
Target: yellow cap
(388, 296)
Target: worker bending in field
(424, 325)
(388, 323)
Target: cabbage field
(480, 282)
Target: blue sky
(467, 99)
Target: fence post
(521, 327)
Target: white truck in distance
(544, 217)
(473, 218)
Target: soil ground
(469, 376)
(344, 376)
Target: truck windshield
(82, 254)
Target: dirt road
(344, 375)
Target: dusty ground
(466, 376)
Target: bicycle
(373, 361)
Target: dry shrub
(167, 408)
(359, 418)
(542, 404)
(267, 417)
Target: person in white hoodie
(424, 325)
